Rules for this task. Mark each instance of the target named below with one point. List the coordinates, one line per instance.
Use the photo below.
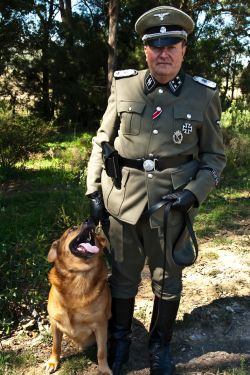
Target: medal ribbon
(157, 113)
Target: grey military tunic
(148, 120)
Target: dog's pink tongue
(87, 247)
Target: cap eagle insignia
(161, 15)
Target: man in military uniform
(160, 136)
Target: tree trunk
(46, 24)
(65, 7)
(233, 77)
(113, 23)
(226, 85)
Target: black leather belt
(155, 164)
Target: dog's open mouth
(83, 245)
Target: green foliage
(242, 370)
(244, 83)
(238, 152)
(57, 68)
(36, 207)
(76, 153)
(236, 123)
(228, 203)
(237, 117)
(19, 137)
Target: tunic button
(155, 131)
(130, 108)
(160, 91)
(189, 115)
(150, 175)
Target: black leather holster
(112, 164)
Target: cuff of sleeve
(196, 203)
(201, 186)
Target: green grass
(77, 363)
(10, 362)
(242, 370)
(226, 205)
(141, 315)
(37, 204)
(210, 255)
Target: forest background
(57, 59)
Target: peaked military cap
(163, 26)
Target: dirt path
(213, 324)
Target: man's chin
(164, 76)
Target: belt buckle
(149, 165)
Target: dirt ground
(212, 332)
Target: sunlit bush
(236, 126)
(20, 136)
(237, 117)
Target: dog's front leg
(54, 360)
(101, 334)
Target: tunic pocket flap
(182, 176)
(189, 115)
(130, 107)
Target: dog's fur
(79, 302)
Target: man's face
(165, 62)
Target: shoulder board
(125, 73)
(205, 82)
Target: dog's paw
(51, 366)
(104, 370)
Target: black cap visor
(162, 42)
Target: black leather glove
(98, 211)
(183, 200)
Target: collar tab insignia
(173, 86)
(176, 84)
(149, 83)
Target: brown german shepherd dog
(79, 302)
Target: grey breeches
(131, 245)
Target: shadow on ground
(212, 337)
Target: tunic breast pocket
(131, 116)
(186, 124)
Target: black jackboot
(120, 329)
(161, 330)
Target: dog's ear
(101, 241)
(53, 251)
(100, 237)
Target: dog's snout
(90, 222)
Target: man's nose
(164, 51)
